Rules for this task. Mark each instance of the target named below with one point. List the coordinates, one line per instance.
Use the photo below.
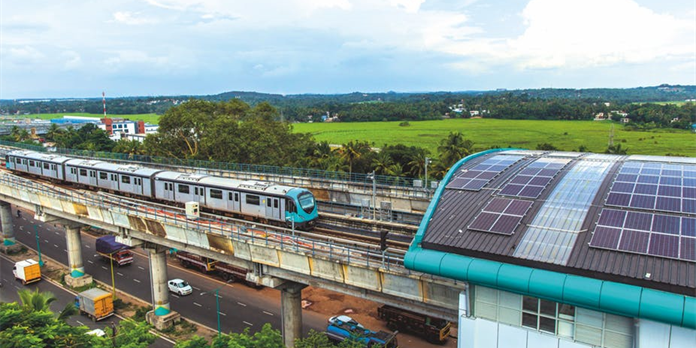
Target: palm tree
(53, 131)
(382, 162)
(352, 151)
(616, 150)
(453, 148)
(41, 302)
(417, 162)
(35, 300)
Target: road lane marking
(21, 228)
(105, 268)
(223, 314)
(119, 273)
(175, 295)
(135, 280)
(90, 261)
(268, 313)
(87, 246)
(56, 233)
(46, 240)
(248, 323)
(65, 250)
(197, 304)
(79, 322)
(199, 289)
(141, 268)
(241, 304)
(55, 245)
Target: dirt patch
(331, 303)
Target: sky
(81, 48)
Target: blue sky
(80, 48)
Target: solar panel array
(501, 215)
(646, 233)
(531, 181)
(474, 179)
(655, 186)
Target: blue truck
(343, 327)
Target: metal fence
(356, 255)
(355, 178)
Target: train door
(199, 194)
(233, 203)
(273, 208)
(137, 185)
(167, 191)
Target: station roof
(626, 219)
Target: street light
(113, 283)
(38, 246)
(217, 304)
(374, 197)
(427, 161)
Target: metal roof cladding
(607, 232)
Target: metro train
(260, 201)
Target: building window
(548, 316)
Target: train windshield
(307, 202)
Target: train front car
(304, 211)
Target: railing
(384, 183)
(355, 255)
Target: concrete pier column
(74, 241)
(7, 228)
(291, 311)
(161, 315)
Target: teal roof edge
(601, 295)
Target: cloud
(131, 18)
(72, 60)
(582, 33)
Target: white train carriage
(179, 187)
(252, 198)
(129, 179)
(41, 164)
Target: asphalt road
(8, 293)
(240, 306)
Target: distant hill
(298, 106)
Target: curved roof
(623, 219)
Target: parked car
(180, 287)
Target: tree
(546, 147)
(53, 132)
(453, 148)
(352, 151)
(382, 162)
(616, 150)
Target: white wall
(658, 335)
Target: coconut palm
(353, 151)
(453, 148)
(382, 162)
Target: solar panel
(669, 236)
(531, 181)
(655, 186)
(501, 215)
(475, 178)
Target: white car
(179, 286)
(338, 319)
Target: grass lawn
(485, 133)
(149, 118)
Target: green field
(485, 133)
(149, 118)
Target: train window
(252, 199)
(275, 203)
(46, 166)
(183, 189)
(73, 171)
(113, 177)
(103, 176)
(125, 179)
(235, 195)
(217, 194)
(268, 202)
(31, 163)
(92, 174)
(138, 181)
(307, 202)
(83, 172)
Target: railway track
(331, 228)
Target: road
(8, 293)
(240, 306)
